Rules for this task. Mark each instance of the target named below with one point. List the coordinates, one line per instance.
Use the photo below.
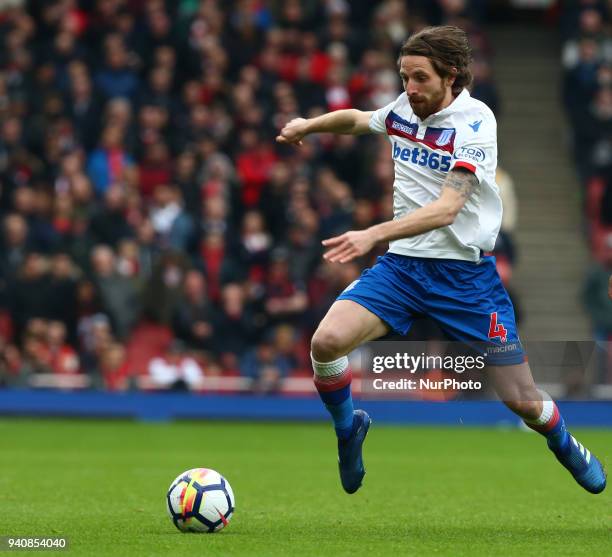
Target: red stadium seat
(147, 341)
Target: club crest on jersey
(440, 138)
(445, 137)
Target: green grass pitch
(428, 491)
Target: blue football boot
(350, 460)
(581, 463)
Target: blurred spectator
(35, 355)
(95, 335)
(84, 107)
(195, 320)
(285, 299)
(109, 162)
(336, 204)
(507, 192)
(176, 368)
(595, 295)
(265, 367)
(155, 169)
(35, 207)
(505, 250)
(29, 293)
(597, 299)
(184, 176)
(291, 347)
(128, 263)
(108, 225)
(172, 224)
(219, 264)
(14, 245)
(148, 250)
(240, 324)
(605, 208)
(62, 358)
(483, 87)
(304, 248)
(255, 244)
(164, 289)
(116, 78)
(10, 365)
(63, 293)
(117, 293)
(254, 165)
(114, 368)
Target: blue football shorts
(467, 300)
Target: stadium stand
(143, 198)
(587, 96)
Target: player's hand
(348, 246)
(293, 132)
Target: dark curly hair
(447, 48)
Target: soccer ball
(200, 500)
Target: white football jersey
(464, 134)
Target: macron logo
(475, 126)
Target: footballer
(447, 214)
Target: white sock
(329, 369)
(548, 409)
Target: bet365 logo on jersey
(422, 157)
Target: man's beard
(429, 107)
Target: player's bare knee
(528, 409)
(327, 345)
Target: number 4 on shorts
(497, 330)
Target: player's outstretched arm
(457, 188)
(350, 121)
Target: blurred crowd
(150, 225)
(587, 94)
